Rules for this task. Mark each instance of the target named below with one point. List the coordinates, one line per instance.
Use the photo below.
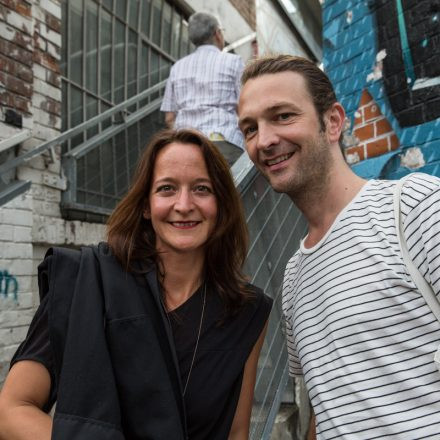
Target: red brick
(365, 98)
(46, 61)
(364, 133)
(6, 99)
(17, 53)
(372, 111)
(19, 6)
(21, 103)
(53, 23)
(394, 142)
(15, 69)
(359, 149)
(377, 147)
(51, 106)
(383, 127)
(18, 86)
(53, 78)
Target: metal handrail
(19, 160)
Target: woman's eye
(203, 189)
(165, 188)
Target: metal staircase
(98, 171)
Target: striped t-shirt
(357, 327)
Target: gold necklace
(197, 341)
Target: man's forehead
(271, 91)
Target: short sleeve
(169, 102)
(36, 346)
(421, 209)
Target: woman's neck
(183, 276)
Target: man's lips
(185, 225)
(278, 159)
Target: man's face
(282, 132)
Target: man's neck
(321, 208)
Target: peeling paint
(349, 16)
(412, 158)
(378, 66)
(352, 158)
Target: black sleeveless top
(215, 380)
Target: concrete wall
(385, 65)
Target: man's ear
(334, 122)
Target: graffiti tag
(8, 285)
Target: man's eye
(284, 116)
(249, 131)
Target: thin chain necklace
(197, 341)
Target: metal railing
(275, 228)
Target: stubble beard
(310, 177)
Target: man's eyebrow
(271, 109)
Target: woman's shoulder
(259, 301)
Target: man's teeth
(279, 159)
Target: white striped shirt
(357, 327)
(203, 89)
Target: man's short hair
(202, 27)
(318, 84)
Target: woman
(155, 335)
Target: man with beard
(358, 329)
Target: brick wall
(246, 8)
(391, 97)
(30, 86)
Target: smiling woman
(155, 334)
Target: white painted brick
(53, 7)
(7, 352)
(37, 98)
(40, 73)
(47, 89)
(46, 193)
(28, 122)
(15, 318)
(44, 133)
(38, 13)
(23, 201)
(50, 35)
(14, 217)
(13, 335)
(47, 208)
(47, 119)
(17, 267)
(83, 233)
(20, 22)
(16, 250)
(10, 34)
(22, 234)
(48, 230)
(6, 233)
(40, 43)
(54, 50)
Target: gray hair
(201, 28)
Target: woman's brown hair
(132, 239)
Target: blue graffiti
(6, 282)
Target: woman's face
(182, 205)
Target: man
(358, 329)
(203, 88)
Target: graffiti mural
(408, 30)
(8, 285)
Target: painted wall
(383, 57)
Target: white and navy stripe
(358, 329)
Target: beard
(311, 172)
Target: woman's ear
(146, 213)
(335, 117)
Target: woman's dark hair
(132, 238)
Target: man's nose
(266, 136)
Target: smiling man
(358, 329)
